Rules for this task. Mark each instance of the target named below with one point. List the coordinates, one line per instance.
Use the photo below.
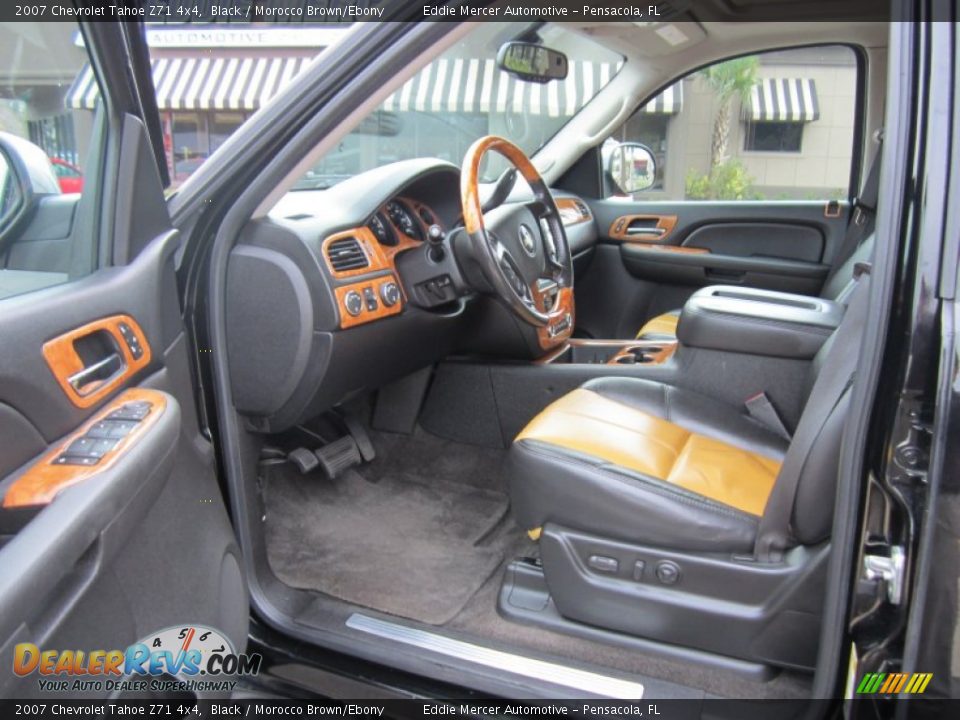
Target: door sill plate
(573, 678)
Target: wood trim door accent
(64, 362)
(664, 223)
(43, 480)
(681, 249)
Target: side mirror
(632, 167)
(11, 194)
(532, 62)
(26, 174)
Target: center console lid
(758, 322)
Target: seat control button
(638, 567)
(603, 563)
(668, 572)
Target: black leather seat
(669, 515)
(645, 462)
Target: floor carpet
(417, 545)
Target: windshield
(462, 96)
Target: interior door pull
(102, 371)
(653, 231)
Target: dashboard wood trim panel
(42, 481)
(564, 306)
(381, 258)
(347, 320)
(570, 212)
(64, 361)
(371, 247)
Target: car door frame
(100, 563)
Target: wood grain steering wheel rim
(541, 310)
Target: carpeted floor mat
(409, 545)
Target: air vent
(346, 254)
(573, 212)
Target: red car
(69, 176)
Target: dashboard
(339, 291)
(399, 225)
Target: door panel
(760, 239)
(653, 255)
(146, 526)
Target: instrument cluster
(401, 221)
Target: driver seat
(624, 477)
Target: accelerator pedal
(339, 456)
(359, 434)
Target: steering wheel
(522, 248)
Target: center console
(757, 322)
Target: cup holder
(638, 355)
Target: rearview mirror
(531, 62)
(632, 167)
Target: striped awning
(668, 102)
(783, 100)
(204, 83)
(475, 85)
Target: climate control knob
(390, 294)
(353, 303)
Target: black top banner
(340, 11)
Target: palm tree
(730, 79)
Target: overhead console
(757, 322)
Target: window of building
(189, 145)
(784, 137)
(222, 126)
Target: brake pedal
(338, 456)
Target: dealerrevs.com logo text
(190, 657)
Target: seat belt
(835, 378)
(864, 212)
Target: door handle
(640, 231)
(99, 372)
